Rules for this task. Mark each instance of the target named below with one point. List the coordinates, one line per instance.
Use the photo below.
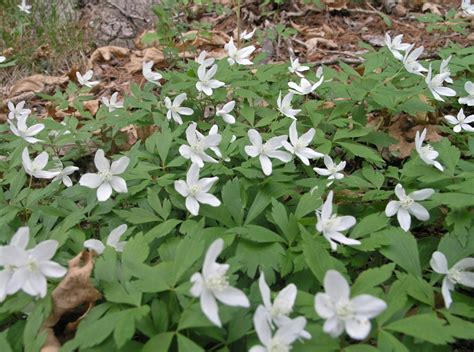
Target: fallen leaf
(36, 84)
(433, 8)
(313, 44)
(92, 106)
(336, 4)
(106, 53)
(74, 296)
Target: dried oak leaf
(336, 4)
(106, 53)
(36, 84)
(74, 295)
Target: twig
(347, 60)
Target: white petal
(336, 285)
(100, 161)
(181, 187)
(264, 291)
(206, 198)
(368, 306)
(209, 307)
(44, 250)
(95, 245)
(266, 164)
(115, 235)
(446, 287)
(262, 326)
(419, 212)
(333, 326)
(119, 166)
(232, 296)
(324, 306)
(192, 205)
(439, 263)
(90, 180)
(212, 253)
(421, 194)
(392, 208)
(52, 269)
(464, 264)
(358, 328)
(21, 237)
(104, 192)
(404, 219)
(198, 284)
(118, 184)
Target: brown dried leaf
(106, 53)
(309, 31)
(336, 4)
(35, 84)
(198, 40)
(313, 44)
(92, 106)
(75, 292)
(433, 8)
(138, 57)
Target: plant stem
(238, 23)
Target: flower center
(426, 149)
(217, 282)
(299, 145)
(344, 310)
(331, 222)
(197, 148)
(32, 265)
(406, 202)
(276, 345)
(281, 307)
(193, 190)
(454, 275)
(105, 175)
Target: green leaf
(318, 258)
(115, 292)
(232, 201)
(425, 327)
(192, 317)
(371, 278)
(189, 250)
(360, 348)
(403, 250)
(389, 343)
(309, 202)
(362, 151)
(137, 216)
(261, 201)
(187, 345)
(159, 343)
(369, 224)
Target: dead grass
(47, 41)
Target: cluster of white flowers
(276, 330)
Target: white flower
(56, 133)
(18, 110)
(410, 60)
(319, 73)
(247, 35)
(112, 241)
(396, 45)
(296, 67)
(196, 150)
(63, 174)
(467, 8)
(278, 311)
(283, 338)
(284, 106)
(24, 7)
(2, 59)
(331, 225)
(239, 56)
(305, 87)
(35, 168)
(435, 85)
(22, 130)
(112, 104)
(150, 76)
(343, 313)
(267, 150)
(175, 110)
(426, 153)
(469, 100)
(85, 80)
(461, 273)
(202, 61)
(299, 146)
(444, 68)
(461, 122)
(225, 111)
(195, 190)
(106, 178)
(206, 82)
(30, 267)
(406, 205)
(332, 170)
(212, 131)
(10, 260)
(213, 284)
